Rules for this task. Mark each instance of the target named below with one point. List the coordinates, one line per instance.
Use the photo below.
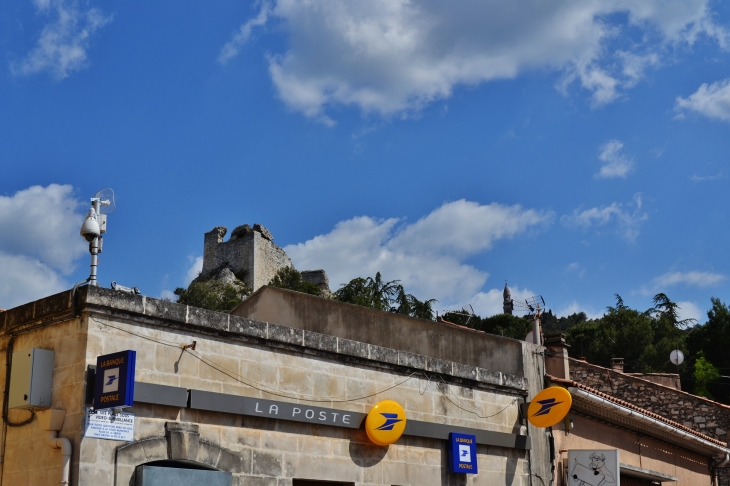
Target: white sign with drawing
(593, 467)
(103, 424)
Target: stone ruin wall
(250, 253)
(704, 416)
(252, 256)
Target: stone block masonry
(705, 416)
(250, 254)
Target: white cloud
(231, 48)
(64, 42)
(39, 242)
(196, 266)
(634, 66)
(575, 268)
(491, 302)
(714, 177)
(25, 279)
(169, 295)
(396, 56)
(690, 310)
(692, 278)
(43, 223)
(697, 279)
(629, 217)
(427, 256)
(712, 100)
(574, 308)
(615, 163)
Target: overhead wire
(295, 396)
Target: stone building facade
(698, 413)
(663, 435)
(197, 408)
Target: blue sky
(575, 149)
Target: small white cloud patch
(629, 217)
(615, 162)
(64, 42)
(710, 100)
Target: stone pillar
(183, 441)
(556, 356)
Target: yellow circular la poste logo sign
(549, 407)
(386, 422)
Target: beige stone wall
(274, 452)
(29, 460)
(636, 450)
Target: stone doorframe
(181, 442)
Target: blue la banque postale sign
(114, 384)
(462, 453)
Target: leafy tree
(643, 339)
(501, 324)
(386, 296)
(213, 295)
(506, 325)
(552, 324)
(712, 340)
(411, 306)
(704, 372)
(290, 278)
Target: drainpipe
(723, 462)
(65, 446)
(52, 421)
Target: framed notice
(103, 424)
(593, 467)
(462, 453)
(114, 385)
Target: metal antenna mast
(94, 227)
(532, 306)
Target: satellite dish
(676, 357)
(106, 196)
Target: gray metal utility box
(31, 378)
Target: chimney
(617, 364)
(556, 356)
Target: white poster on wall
(104, 424)
(593, 467)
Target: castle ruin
(251, 256)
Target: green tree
(704, 373)
(386, 296)
(500, 324)
(370, 292)
(213, 295)
(411, 306)
(290, 278)
(711, 339)
(643, 339)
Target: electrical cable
(257, 386)
(264, 388)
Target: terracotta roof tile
(631, 406)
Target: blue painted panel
(173, 476)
